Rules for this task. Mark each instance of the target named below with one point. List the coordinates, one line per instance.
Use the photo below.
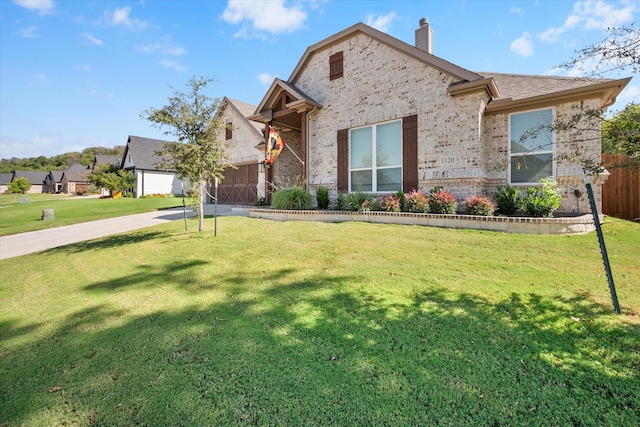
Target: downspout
(306, 154)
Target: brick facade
(463, 124)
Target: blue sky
(77, 74)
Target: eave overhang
(607, 91)
(488, 85)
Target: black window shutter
(343, 160)
(409, 153)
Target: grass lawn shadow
(280, 350)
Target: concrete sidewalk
(34, 241)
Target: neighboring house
(5, 179)
(53, 182)
(151, 177)
(368, 112)
(75, 179)
(244, 141)
(35, 178)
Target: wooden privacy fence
(621, 192)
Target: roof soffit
(412, 51)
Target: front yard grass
(303, 323)
(21, 217)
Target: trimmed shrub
(542, 201)
(391, 203)
(416, 201)
(478, 205)
(442, 202)
(295, 198)
(322, 197)
(507, 199)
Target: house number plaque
(447, 160)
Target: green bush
(442, 202)
(478, 205)
(19, 186)
(359, 201)
(260, 201)
(322, 197)
(542, 201)
(507, 199)
(295, 198)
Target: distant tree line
(59, 162)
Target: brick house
(244, 142)
(368, 112)
(75, 179)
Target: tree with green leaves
(19, 185)
(112, 178)
(621, 136)
(199, 155)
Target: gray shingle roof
(35, 178)
(5, 178)
(143, 152)
(101, 159)
(76, 173)
(521, 86)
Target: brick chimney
(424, 36)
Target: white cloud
(271, 16)
(522, 46)
(84, 67)
(163, 48)
(592, 14)
(266, 78)
(628, 95)
(43, 7)
(516, 10)
(175, 65)
(122, 17)
(91, 39)
(29, 32)
(380, 22)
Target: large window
(375, 160)
(531, 148)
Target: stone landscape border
(524, 225)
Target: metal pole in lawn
(215, 209)
(184, 209)
(603, 248)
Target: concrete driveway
(34, 241)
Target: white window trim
(374, 176)
(551, 151)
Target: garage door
(239, 185)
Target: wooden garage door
(239, 185)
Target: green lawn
(20, 217)
(303, 323)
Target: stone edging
(523, 225)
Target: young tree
(620, 50)
(19, 186)
(198, 156)
(112, 178)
